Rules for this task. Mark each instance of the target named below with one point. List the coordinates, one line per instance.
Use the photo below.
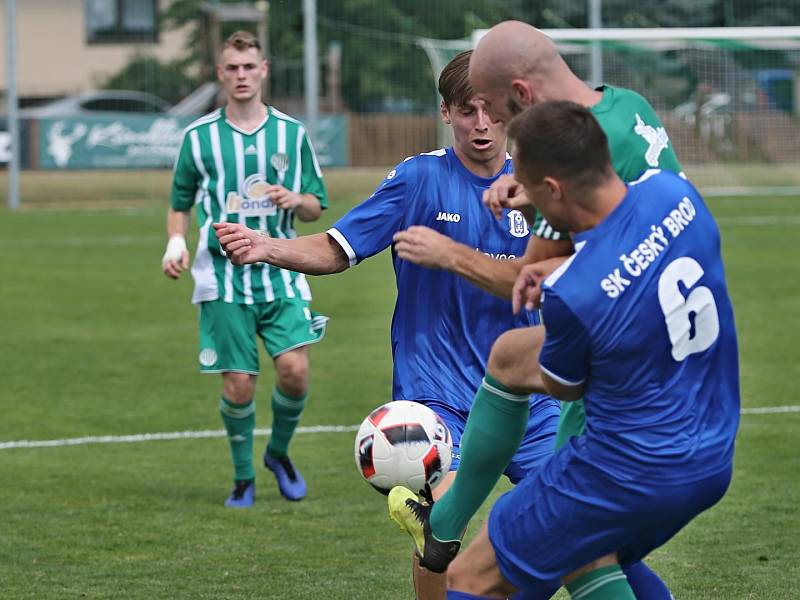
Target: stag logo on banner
(61, 139)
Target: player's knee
(239, 387)
(513, 360)
(292, 371)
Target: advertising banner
(128, 141)
(110, 141)
(331, 141)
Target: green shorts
(228, 332)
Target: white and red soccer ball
(403, 443)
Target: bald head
(513, 50)
(515, 66)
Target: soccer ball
(403, 443)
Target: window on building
(109, 21)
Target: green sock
(495, 426)
(607, 583)
(240, 421)
(286, 411)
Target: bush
(147, 74)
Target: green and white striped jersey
(223, 171)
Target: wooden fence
(382, 140)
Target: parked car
(199, 102)
(99, 101)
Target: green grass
(96, 341)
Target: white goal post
(729, 96)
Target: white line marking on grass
(219, 433)
(157, 437)
(746, 193)
(75, 242)
(133, 240)
(760, 221)
(770, 410)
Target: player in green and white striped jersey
(249, 163)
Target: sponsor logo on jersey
(208, 357)
(498, 255)
(251, 149)
(656, 138)
(517, 225)
(450, 217)
(391, 174)
(253, 200)
(279, 161)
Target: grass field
(96, 341)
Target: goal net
(729, 97)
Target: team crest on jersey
(656, 138)
(207, 357)
(517, 225)
(252, 200)
(279, 161)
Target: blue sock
(645, 583)
(454, 595)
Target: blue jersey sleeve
(565, 354)
(369, 227)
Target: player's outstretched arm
(317, 254)
(428, 248)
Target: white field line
(760, 221)
(133, 240)
(78, 242)
(219, 433)
(770, 410)
(156, 437)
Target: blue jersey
(443, 326)
(640, 315)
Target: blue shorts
(571, 512)
(538, 444)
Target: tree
(145, 73)
(382, 66)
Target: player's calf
(475, 571)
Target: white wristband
(176, 246)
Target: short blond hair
(242, 40)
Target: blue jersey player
(443, 326)
(638, 321)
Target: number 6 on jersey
(687, 335)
